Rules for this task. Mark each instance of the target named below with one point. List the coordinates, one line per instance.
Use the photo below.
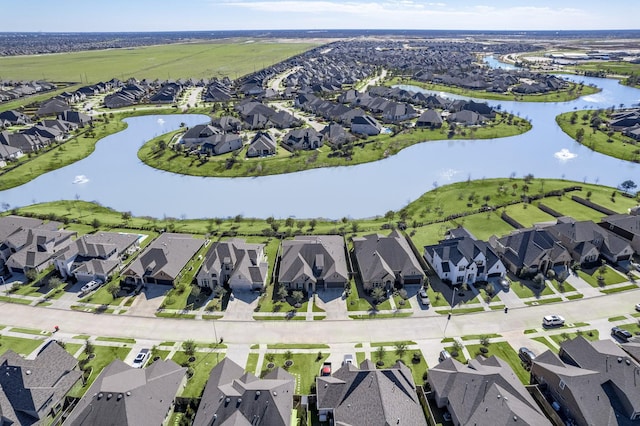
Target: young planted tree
(401, 349)
(189, 347)
(113, 289)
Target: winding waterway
(114, 177)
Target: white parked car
(552, 321)
(90, 286)
(141, 358)
(348, 359)
(638, 307)
(424, 299)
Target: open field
(615, 145)
(227, 58)
(235, 164)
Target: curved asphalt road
(324, 331)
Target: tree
(189, 347)
(378, 294)
(31, 275)
(297, 297)
(313, 223)
(401, 349)
(379, 354)
(195, 291)
(580, 134)
(88, 347)
(289, 222)
(282, 293)
(96, 223)
(113, 289)
(628, 185)
(53, 283)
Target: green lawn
(505, 352)
(610, 276)
(116, 339)
(72, 348)
(433, 206)
(18, 345)
(30, 331)
(525, 289)
(252, 363)
(567, 207)
(592, 335)
(297, 346)
(527, 215)
(460, 357)
(202, 366)
(391, 357)
(484, 225)
(305, 368)
(231, 58)
(615, 145)
(104, 355)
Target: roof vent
(100, 395)
(28, 372)
(109, 396)
(128, 393)
(275, 393)
(258, 393)
(628, 361)
(239, 400)
(515, 418)
(228, 400)
(619, 359)
(119, 396)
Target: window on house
(562, 384)
(460, 279)
(461, 268)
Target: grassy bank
(574, 91)
(365, 150)
(433, 209)
(577, 124)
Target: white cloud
(414, 14)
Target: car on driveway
(526, 356)
(444, 354)
(621, 334)
(348, 359)
(553, 321)
(638, 307)
(90, 286)
(141, 358)
(424, 299)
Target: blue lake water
(116, 178)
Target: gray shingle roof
(485, 391)
(30, 389)
(369, 396)
(299, 256)
(124, 395)
(233, 397)
(379, 256)
(165, 257)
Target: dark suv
(526, 356)
(621, 334)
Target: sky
(216, 15)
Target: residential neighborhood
(484, 301)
